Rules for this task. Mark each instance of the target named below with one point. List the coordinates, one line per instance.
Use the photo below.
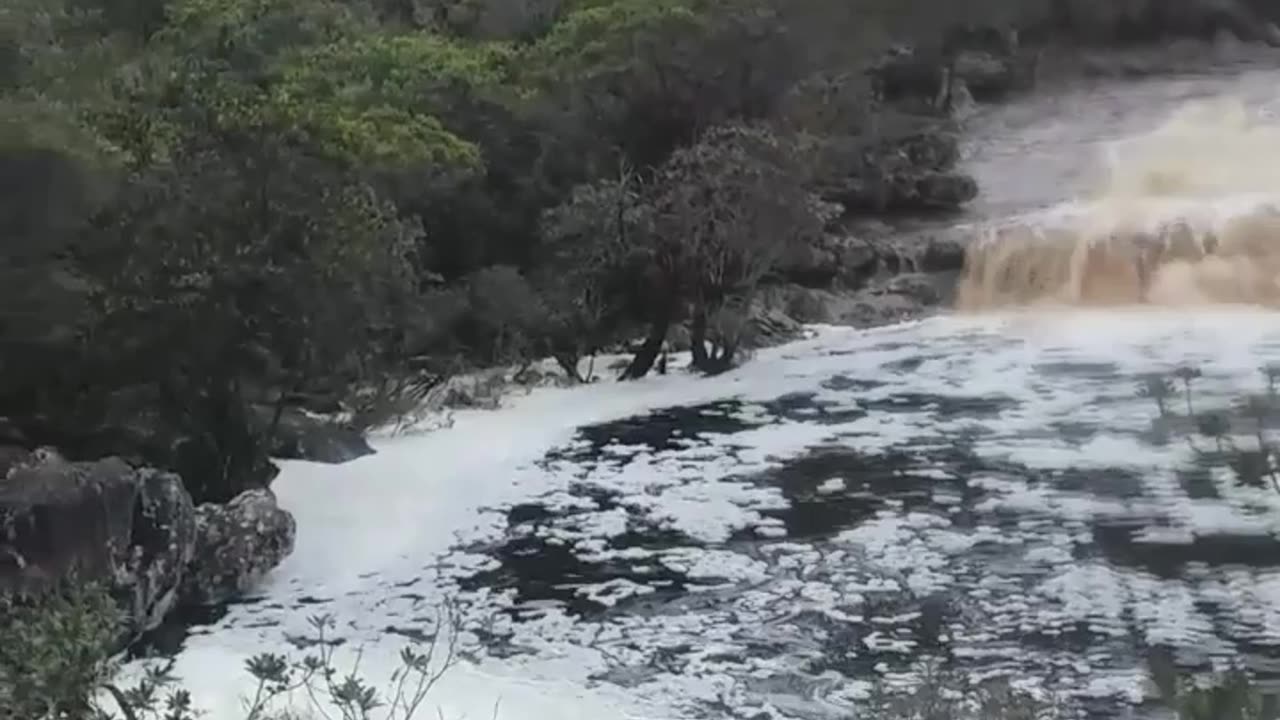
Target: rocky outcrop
(883, 301)
(971, 63)
(136, 530)
(989, 77)
(869, 250)
(298, 435)
(216, 464)
(1133, 21)
(104, 521)
(908, 173)
(236, 545)
(773, 326)
(875, 275)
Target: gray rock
(299, 436)
(95, 521)
(985, 75)
(771, 326)
(934, 249)
(814, 263)
(908, 77)
(164, 531)
(908, 173)
(847, 259)
(236, 545)
(872, 250)
(897, 299)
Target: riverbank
(862, 276)
(680, 546)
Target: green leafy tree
(248, 255)
(721, 214)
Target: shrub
(56, 664)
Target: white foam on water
(387, 525)
(386, 540)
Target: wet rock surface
(137, 531)
(877, 275)
(911, 172)
(236, 545)
(105, 521)
(300, 436)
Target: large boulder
(910, 79)
(985, 75)
(216, 463)
(236, 545)
(771, 326)
(133, 529)
(895, 299)
(909, 173)
(827, 260)
(977, 62)
(929, 249)
(298, 435)
(874, 249)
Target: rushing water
(989, 491)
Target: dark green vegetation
(55, 665)
(214, 209)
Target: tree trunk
(568, 362)
(649, 351)
(711, 361)
(701, 361)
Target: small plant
(1158, 388)
(1226, 696)
(1254, 461)
(327, 689)
(53, 652)
(943, 695)
(1187, 375)
(55, 664)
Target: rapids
(1184, 214)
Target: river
(988, 490)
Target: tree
(643, 78)
(56, 170)
(722, 213)
(591, 290)
(249, 256)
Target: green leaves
(319, 74)
(55, 650)
(602, 38)
(383, 97)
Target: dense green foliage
(212, 208)
(215, 207)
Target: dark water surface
(913, 528)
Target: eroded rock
(771, 326)
(236, 545)
(95, 521)
(911, 173)
(300, 436)
(164, 542)
(986, 75)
